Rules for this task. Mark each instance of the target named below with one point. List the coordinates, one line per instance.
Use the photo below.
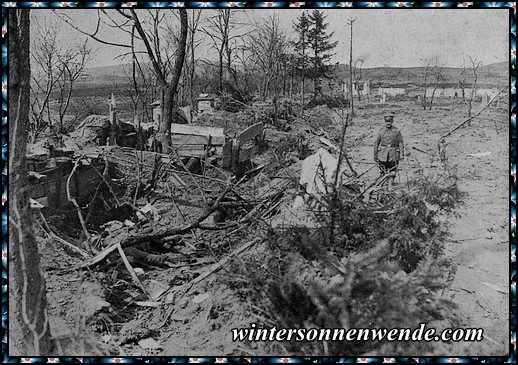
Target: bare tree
(150, 31)
(186, 94)
(248, 82)
(462, 79)
(56, 68)
(29, 332)
(266, 46)
(192, 45)
(350, 22)
(168, 88)
(71, 67)
(223, 31)
(475, 64)
(437, 72)
(143, 86)
(424, 101)
(44, 75)
(434, 70)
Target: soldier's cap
(389, 116)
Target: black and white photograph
(243, 182)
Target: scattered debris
(479, 155)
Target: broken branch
(474, 116)
(130, 270)
(59, 239)
(74, 202)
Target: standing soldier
(388, 148)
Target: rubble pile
(223, 231)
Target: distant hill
(491, 75)
(106, 75)
(494, 74)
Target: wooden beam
(192, 150)
(217, 135)
(189, 139)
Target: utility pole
(350, 23)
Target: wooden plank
(192, 150)
(227, 155)
(235, 153)
(192, 147)
(188, 139)
(217, 134)
(130, 270)
(211, 270)
(246, 153)
(250, 133)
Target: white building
(391, 91)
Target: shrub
(330, 101)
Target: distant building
(367, 87)
(358, 89)
(184, 113)
(391, 91)
(444, 92)
(157, 111)
(204, 103)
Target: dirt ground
(200, 323)
(479, 228)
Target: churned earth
(82, 316)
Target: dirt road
(479, 243)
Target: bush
(293, 144)
(312, 277)
(330, 101)
(415, 233)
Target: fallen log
(59, 239)
(156, 235)
(220, 264)
(420, 150)
(474, 116)
(186, 288)
(130, 270)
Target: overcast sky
(391, 37)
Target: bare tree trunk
(63, 112)
(29, 333)
(303, 78)
(473, 93)
(284, 77)
(474, 67)
(168, 91)
(423, 102)
(291, 86)
(220, 71)
(169, 114)
(351, 21)
(433, 96)
(192, 48)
